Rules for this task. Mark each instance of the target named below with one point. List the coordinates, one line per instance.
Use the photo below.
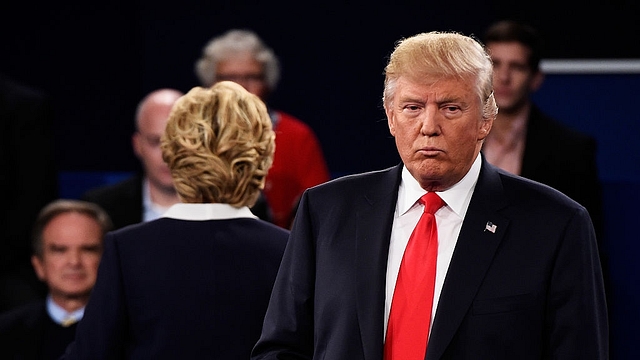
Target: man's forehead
(454, 89)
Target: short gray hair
(236, 41)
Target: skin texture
(513, 79)
(438, 128)
(72, 246)
(152, 120)
(246, 71)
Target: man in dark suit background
(67, 245)
(524, 140)
(195, 283)
(147, 195)
(29, 180)
(518, 273)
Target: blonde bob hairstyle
(433, 55)
(219, 145)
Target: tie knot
(432, 202)
(69, 320)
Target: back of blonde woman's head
(219, 145)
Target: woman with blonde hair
(195, 283)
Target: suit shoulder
(559, 130)
(21, 316)
(15, 92)
(114, 192)
(356, 181)
(170, 228)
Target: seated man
(67, 246)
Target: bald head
(158, 100)
(151, 119)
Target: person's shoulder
(17, 92)
(165, 230)
(533, 193)
(276, 236)
(554, 128)
(102, 193)
(21, 316)
(268, 227)
(291, 122)
(353, 183)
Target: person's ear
(536, 82)
(38, 266)
(136, 143)
(390, 121)
(485, 128)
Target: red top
(298, 164)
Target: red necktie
(408, 326)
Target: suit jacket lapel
(471, 258)
(374, 219)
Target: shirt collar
(208, 211)
(457, 197)
(58, 314)
(151, 210)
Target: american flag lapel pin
(490, 227)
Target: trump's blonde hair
(434, 55)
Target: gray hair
(63, 206)
(235, 42)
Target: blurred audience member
(241, 56)
(147, 195)
(67, 245)
(524, 140)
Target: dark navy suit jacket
(28, 333)
(178, 289)
(564, 159)
(532, 289)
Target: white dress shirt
(150, 210)
(60, 315)
(449, 220)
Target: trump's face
(438, 128)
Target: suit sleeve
(577, 316)
(288, 326)
(103, 328)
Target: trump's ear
(390, 121)
(485, 128)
